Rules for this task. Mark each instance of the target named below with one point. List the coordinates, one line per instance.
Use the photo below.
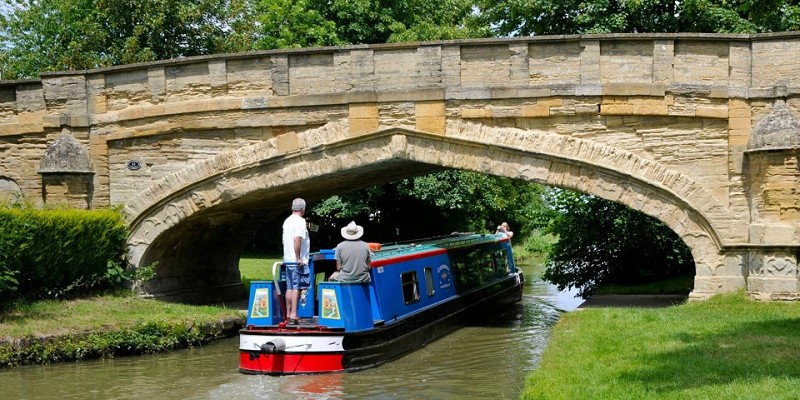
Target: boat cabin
(405, 278)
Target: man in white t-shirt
(296, 246)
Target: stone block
(81, 121)
(20, 129)
(431, 124)
(554, 63)
(587, 109)
(519, 92)
(287, 142)
(719, 93)
(651, 109)
(529, 111)
(311, 73)
(360, 126)
(550, 102)
(589, 90)
(404, 95)
(711, 112)
(54, 120)
(365, 110)
(429, 109)
(486, 65)
(157, 82)
(616, 109)
(590, 62)
(761, 286)
(739, 124)
(616, 89)
(716, 284)
(469, 113)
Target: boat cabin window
(474, 267)
(429, 281)
(501, 262)
(410, 287)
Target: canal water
(488, 360)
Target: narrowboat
(419, 291)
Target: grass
(103, 312)
(256, 267)
(727, 347)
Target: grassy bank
(107, 326)
(116, 324)
(728, 347)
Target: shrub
(53, 253)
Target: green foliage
(52, 253)
(479, 202)
(58, 35)
(538, 244)
(292, 23)
(550, 17)
(601, 241)
(47, 35)
(382, 21)
(437, 204)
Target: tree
(479, 202)
(438, 203)
(291, 23)
(382, 21)
(561, 17)
(47, 35)
(604, 242)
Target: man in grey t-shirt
(353, 256)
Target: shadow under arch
(195, 222)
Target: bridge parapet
(699, 66)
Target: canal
(488, 360)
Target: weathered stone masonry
(700, 131)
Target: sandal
(293, 321)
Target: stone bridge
(700, 131)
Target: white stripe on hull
(294, 343)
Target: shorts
(297, 278)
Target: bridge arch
(195, 222)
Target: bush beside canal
(56, 253)
(727, 347)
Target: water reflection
(486, 361)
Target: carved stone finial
(65, 155)
(778, 130)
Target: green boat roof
(452, 241)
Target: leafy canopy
(563, 17)
(605, 242)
